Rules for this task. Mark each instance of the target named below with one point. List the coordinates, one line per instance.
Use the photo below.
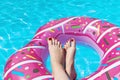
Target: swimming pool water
(19, 20)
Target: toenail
(72, 40)
(50, 38)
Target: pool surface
(19, 20)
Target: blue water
(19, 21)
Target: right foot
(70, 48)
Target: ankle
(56, 67)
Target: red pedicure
(72, 40)
(50, 38)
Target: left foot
(57, 54)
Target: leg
(70, 48)
(57, 56)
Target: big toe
(49, 41)
(73, 42)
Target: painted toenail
(50, 38)
(72, 40)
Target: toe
(65, 46)
(56, 42)
(53, 41)
(60, 45)
(73, 42)
(49, 41)
(68, 43)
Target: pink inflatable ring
(28, 62)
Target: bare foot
(56, 51)
(70, 48)
(57, 56)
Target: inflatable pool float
(28, 62)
